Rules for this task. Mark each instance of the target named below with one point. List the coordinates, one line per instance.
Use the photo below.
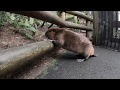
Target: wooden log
(14, 58)
(77, 26)
(47, 16)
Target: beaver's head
(53, 32)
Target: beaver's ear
(60, 31)
(50, 29)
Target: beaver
(72, 41)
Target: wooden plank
(79, 14)
(88, 33)
(96, 27)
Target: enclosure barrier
(87, 18)
(48, 16)
(107, 29)
(13, 58)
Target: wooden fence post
(88, 33)
(62, 15)
(96, 27)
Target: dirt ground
(10, 38)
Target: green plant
(21, 22)
(52, 65)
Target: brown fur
(71, 41)
(50, 35)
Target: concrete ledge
(13, 58)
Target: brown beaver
(71, 41)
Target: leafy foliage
(22, 22)
(19, 21)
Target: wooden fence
(48, 16)
(14, 58)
